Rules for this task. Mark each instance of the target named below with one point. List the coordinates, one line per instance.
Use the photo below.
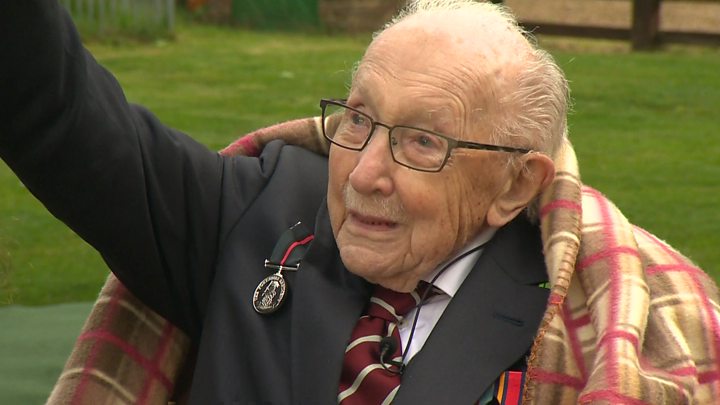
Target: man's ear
(533, 174)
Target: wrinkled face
(393, 225)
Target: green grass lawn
(645, 127)
(32, 361)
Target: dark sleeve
(145, 196)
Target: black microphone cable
(389, 345)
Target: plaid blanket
(629, 320)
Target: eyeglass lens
(411, 147)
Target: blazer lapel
(488, 326)
(327, 301)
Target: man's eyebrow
(358, 86)
(362, 92)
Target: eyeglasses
(415, 148)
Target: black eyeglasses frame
(452, 142)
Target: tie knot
(391, 305)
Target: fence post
(170, 14)
(101, 16)
(90, 8)
(645, 24)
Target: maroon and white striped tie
(364, 380)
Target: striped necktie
(364, 380)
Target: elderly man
(415, 273)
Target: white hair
(526, 104)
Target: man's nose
(374, 167)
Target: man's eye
(358, 119)
(426, 141)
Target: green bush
(276, 14)
(113, 19)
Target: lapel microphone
(388, 345)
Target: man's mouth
(372, 221)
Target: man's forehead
(422, 109)
(415, 48)
(483, 34)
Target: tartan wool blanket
(629, 320)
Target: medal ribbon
(290, 248)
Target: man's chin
(366, 263)
(376, 272)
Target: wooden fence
(643, 33)
(143, 17)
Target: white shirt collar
(451, 279)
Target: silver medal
(270, 294)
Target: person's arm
(146, 196)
